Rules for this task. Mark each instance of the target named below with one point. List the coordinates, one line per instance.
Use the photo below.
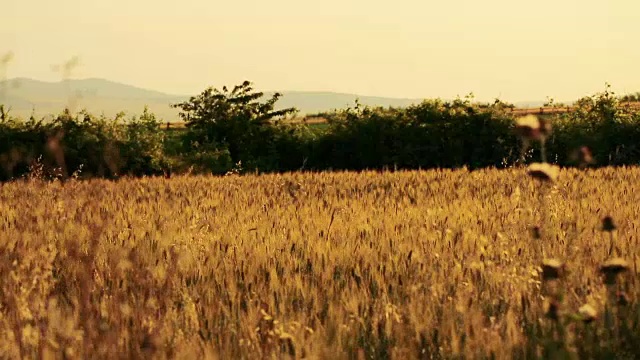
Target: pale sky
(514, 50)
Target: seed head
(286, 343)
(150, 343)
(623, 298)
(531, 128)
(527, 126)
(582, 156)
(543, 171)
(607, 224)
(535, 231)
(588, 313)
(545, 127)
(553, 311)
(6, 58)
(552, 269)
(611, 268)
(615, 265)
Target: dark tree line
(235, 128)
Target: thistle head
(552, 269)
(536, 233)
(543, 171)
(582, 156)
(612, 268)
(608, 224)
(623, 298)
(545, 127)
(527, 126)
(531, 128)
(553, 310)
(588, 313)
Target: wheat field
(437, 264)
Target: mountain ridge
(27, 96)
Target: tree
(233, 119)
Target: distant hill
(26, 96)
(98, 96)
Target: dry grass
(432, 264)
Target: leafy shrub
(602, 123)
(232, 120)
(101, 147)
(430, 134)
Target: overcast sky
(514, 50)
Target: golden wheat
(430, 264)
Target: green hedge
(431, 134)
(81, 145)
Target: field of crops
(405, 265)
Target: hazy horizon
(402, 49)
